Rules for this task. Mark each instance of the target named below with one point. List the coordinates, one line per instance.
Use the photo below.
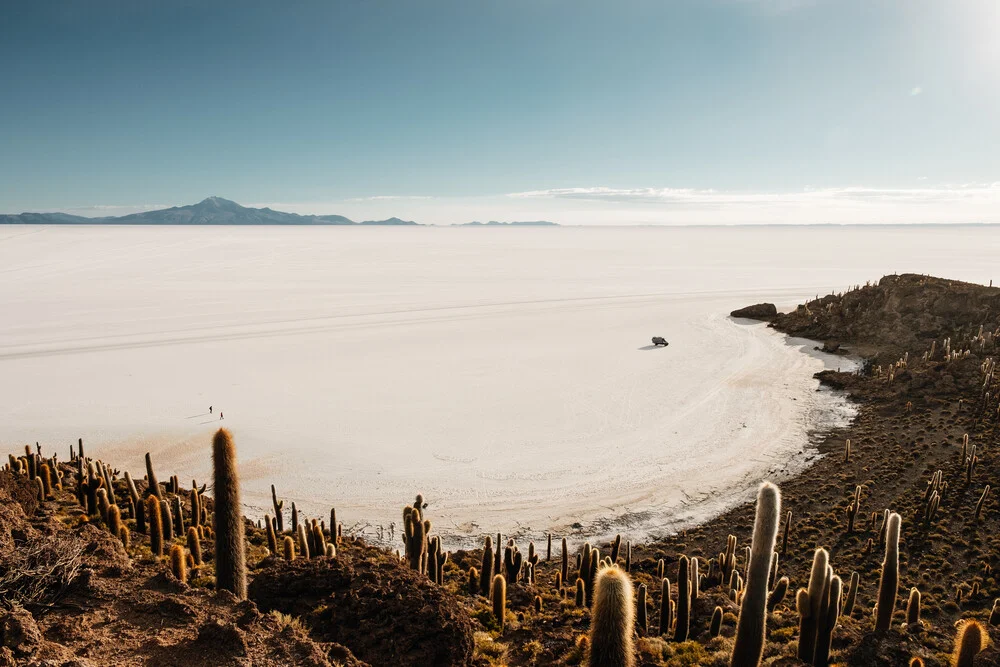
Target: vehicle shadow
(651, 347)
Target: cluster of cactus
(932, 496)
(853, 508)
(422, 551)
(819, 608)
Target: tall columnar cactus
(548, 547)
(302, 541)
(272, 539)
(777, 594)
(830, 613)
(852, 594)
(982, 502)
(695, 578)
(750, 628)
(155, 525)
(581, 593)
(278, 505)
(498, 596)
(640, 607)
(154, 486)
(715, 627)
(683, 623)
(288, 548)
(486, 577)
(565, 560)
(889, 583)
(168, 523)
(809, 602)
(612, 620)
(616, 548)
(972, 639)
(194, 545)
(177, 563)
(230, 546)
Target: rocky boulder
(758, 311)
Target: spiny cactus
(612, 620)
(913, 608)
(889, 582)
(302, 542)
(847, 450)
(498, 597)
(487, 568)
(982, 502)
(972, 639)
(168, 523)
(272, 539)
(565, 560)
(473, 581)
(695, 578)
(666, 619)
(852, 594)
(178, 565)
(548, 548)
(194, 545)
(683, 600)
(853, 509)
(46, 476)
(295, 518)
(414, 537)
(616, 548)
(320, 540)
(809, 602)
(715, 627)
(154, 486)
(750, 628)
(777, 594)
(178, 515)
(230, 546)
(155, 525)
(278, 505)
(581, 594)
(640, 606)
(114, 520)
(995, 613)
(124, 536)
(830, 612)
(288, 548)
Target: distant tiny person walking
(221, 416)
(210, 409)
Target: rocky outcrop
(900, 313)
(758, 311)
(385, 613)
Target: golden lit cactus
(972, 639)
(498, 597)
(612, 620)
(889, 583)
(748, 646)
(230, 546)
(178, 564)
(809, 602)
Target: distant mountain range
(494, 223)
(218, 211)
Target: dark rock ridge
(758, 311)
(900, 313)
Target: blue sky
(648, 111)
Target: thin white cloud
(916, 90)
